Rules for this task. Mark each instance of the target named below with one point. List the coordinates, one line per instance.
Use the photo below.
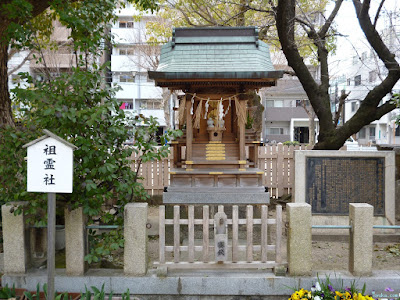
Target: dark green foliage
(79, 106)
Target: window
(301, 103)
(357, 80)
(355, 59)
(397, 131)
(361, 133)
(269, 103)
(348, 81)
(126, 78)
(126, 24)
(126, 51)
(150, 104)
(275, 131)
(372, 133)
(372, 76)
(353, 106)
(274, 103)
(142, 77)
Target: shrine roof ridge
(217, 75)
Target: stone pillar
(135, 235)
(360, 257)
(75, 242)
(299, 247)
(15, 242)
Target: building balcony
(56, 61)
(284, 113)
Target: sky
(347, 25)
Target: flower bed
(325, 291)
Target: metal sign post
(51, 241)
(50, 170)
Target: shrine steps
(215, 151)
(213, 171)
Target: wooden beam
(189, 130)
(242, 130)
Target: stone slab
(199, 283)
(215, 198)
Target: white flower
(317, 298)
(316, 288)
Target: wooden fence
(276, 161)
(213, 249)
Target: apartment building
(285, 118)
(363, 71)
(131, 58)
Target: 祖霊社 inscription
(334, 182)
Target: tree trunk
(5, 102)
(330, 137)
(312, 129)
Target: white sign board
(50, 167)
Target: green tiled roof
(206, 52)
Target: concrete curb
(217, 284)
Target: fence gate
(220, 242)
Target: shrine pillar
(189, 130)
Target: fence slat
(206, 227)
(278, 257)
(235, 232)
(249, 218)
(264, 232)
(249, 249)
(279, 170)
(191, 233)
(176, 233)
(285, 169)
(161, 239)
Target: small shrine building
(216, 68)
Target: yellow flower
(338, 294)
(301, 293)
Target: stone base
(258, 196)
(205, 284)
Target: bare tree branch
(330, 19)
(338, 112)
(26, 58)
(378, 12)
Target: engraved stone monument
(330, 180)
